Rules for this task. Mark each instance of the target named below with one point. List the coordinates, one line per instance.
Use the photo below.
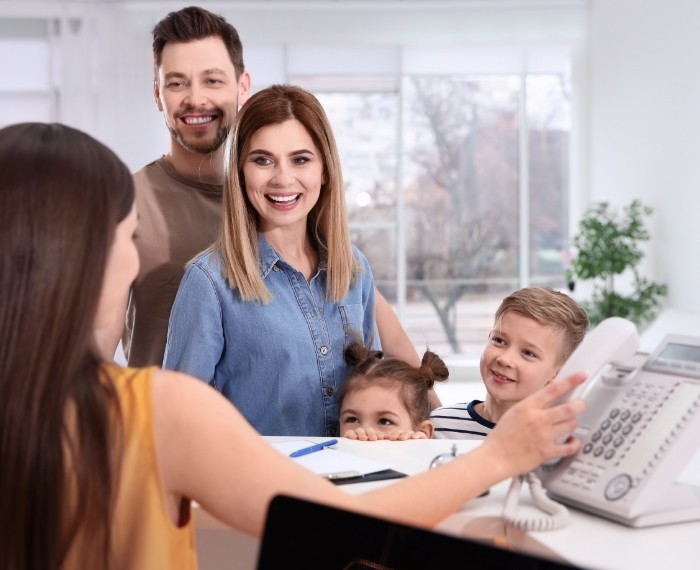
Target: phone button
(618, 487)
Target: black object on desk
(303, 534)
(355, 477)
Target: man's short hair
(194, 23)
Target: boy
(535, 330)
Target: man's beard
(200, 146)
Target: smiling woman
(284, 173)
(266, 314)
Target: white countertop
(588, 541)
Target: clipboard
(339, 467)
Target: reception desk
(588, 541)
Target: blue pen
(312, 448)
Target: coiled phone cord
(557, 515)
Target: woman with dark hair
(99, 463)
(64, 200)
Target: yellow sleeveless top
(143, 535)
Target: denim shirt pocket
(353, 317)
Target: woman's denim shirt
(280, 363)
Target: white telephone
(641, 428)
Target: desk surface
(588, 541)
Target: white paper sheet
(329, 461)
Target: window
(442, 173)
(26, 90)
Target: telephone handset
(639, 431)
(613, 341)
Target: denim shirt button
(275, 268)
(324, 350)
(333, 431)
(329, 391)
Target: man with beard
(199, 83)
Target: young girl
(387, 398)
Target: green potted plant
(607, 244)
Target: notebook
(338, 466)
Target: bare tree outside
(460, 184)
(462, 201)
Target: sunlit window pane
(460, 193)
(365, 126)
(461, 184)
(549, 124)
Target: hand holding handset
(613, 341)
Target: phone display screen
(682, 352)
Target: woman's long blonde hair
(327, 223)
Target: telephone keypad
(619, 429)
(616, 441)
(639, 401)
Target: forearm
(438, 493)
(202, 438)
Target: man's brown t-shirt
(178, 218)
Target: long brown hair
(62, 194)
(328, 220)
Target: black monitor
(303, 534)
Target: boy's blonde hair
(549, 307)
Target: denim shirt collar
(269, 257)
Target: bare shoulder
(177, 392)
(188, 406)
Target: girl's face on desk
(283, 173)
(378, 407)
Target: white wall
(104, 69)
(645, 128)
